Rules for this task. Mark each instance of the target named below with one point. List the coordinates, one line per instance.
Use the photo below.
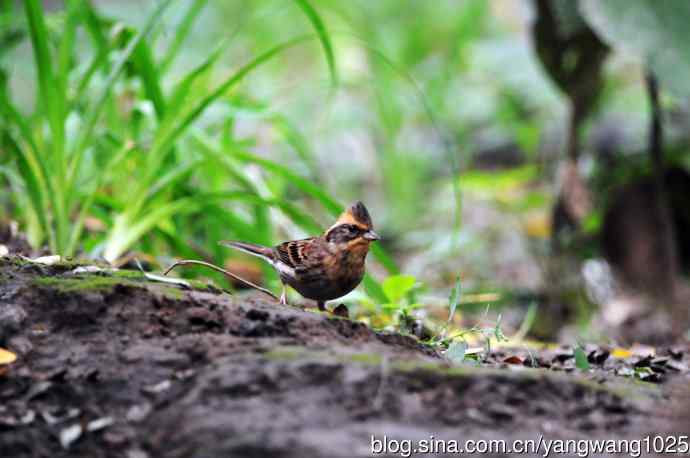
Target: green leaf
(654, 31)
(456, 351)
(324, 37)
(454, 299)
(396, 287)
(581, 359)
(373, 289)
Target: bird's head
(353, 227)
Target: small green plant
(399, 292)
(456, 344)
(581, 361)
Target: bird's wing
(296, 253)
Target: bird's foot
(341, 311)
(283, 297)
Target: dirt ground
(111, 364)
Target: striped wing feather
(295, 253)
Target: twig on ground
(221, 270)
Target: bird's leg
(322, 305)
(283, 296)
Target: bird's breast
(339, 273)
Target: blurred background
(530, 154)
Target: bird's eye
(345, 232)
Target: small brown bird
(325, 267)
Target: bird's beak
(371, 235)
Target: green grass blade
(385, 259)
(90, 196)
(93, 25)
(32, 182)
(214, 154)
(66, 52)
(297, 216)
(12, 116)
(124, 234)
(262, 221)
(52, 99)
(239, 228)
(184, 88)
(181, 33)
(86, 132)
(170, 131)
(454, 299)
(42, 55)
(35, 169)
(451, 154)
(92, 22)
(149, 74)
(306, 186)
(324, 37)
(299, 143)
(171, 177)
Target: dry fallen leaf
(86, 270)
(97, 425)
(7, 357)
(158, 387)
(513, 360)
(94, 224)
(537, 224)
(70, 434)
(47, 260)
(474, 350)
(621, 353)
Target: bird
(325, 267)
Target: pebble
(11, 319)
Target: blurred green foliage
(161, 127)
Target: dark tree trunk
(666, 246)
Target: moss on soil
(85, 283)
(287, 353)
(295, 352)
(366, 358)
(106, 280)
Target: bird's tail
(256, 250)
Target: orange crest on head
(356, 214)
